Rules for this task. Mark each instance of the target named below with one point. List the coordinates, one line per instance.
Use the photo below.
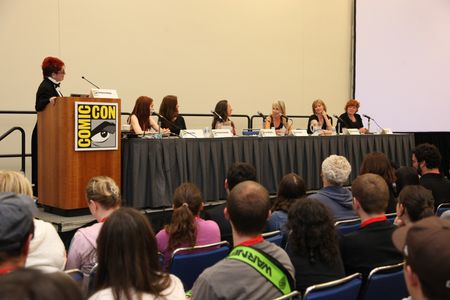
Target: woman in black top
(278, 119)
(171, 118)
(350, 119)
(320, 117)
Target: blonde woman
(320, 117)
(46, 251)
(278, 119)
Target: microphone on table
(372, 119)
(82, 77)
(260, 114)
(340, 120)
(171, 124)
(366, 116)
(217, 115)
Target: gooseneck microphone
(372, 119)
(260, 114)
(366, 116)
(82, 77)
(340, 120)
(217, 115)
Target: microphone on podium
(82, 77)
(217, 115)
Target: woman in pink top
(187, 228)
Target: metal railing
(22, 132)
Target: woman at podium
(140, 118)
(170, 117)
(53, 71)
(350, 119)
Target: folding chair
(294, 295)
(386, 282)
(273, 236)
(442, 208)
(347, 226)
(391, 217)
(346, 288)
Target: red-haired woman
(53, 71)
(171, 118)
(140, 118)
(351, 118)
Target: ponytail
(182, 229)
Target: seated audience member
(335, 172)
(170, 113)
(187, 229)
(47, 251)
(128, 264)
(425, 246)
(248, 207)
(371, 245)
(291, 188)
(237, 173)
(140, 119)
(405, 176)
(323, 120)
(312, 244)
(278, 119)
(223, 110)
(414, 203)
(16, 230)
(427, 159)
(28, 284)
(350, 118)
(378, 163)
(103, 198)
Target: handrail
(211, 115)
(23, 142)
(290, 117)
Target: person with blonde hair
(319, 118)
(278, 119)
(46, 250)
(103, 197)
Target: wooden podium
(63, 170)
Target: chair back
(347, 226)
(391, 217)
(294, 295)
(385, 282)
(274, 237)
(442, 208)
(188, 266)
(346, 288)
(75, 274)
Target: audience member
(187, 229)
(47, 251)
(278, 119)
(405, 176)
(140, 118)
(378, 163)
(248, 207)
(169, 110)
(16, 230)
(238, 172)
(312, 244)
(350, 119)
(323, 121)
(427, 158)
(425, 246)
(103, 198)
(128, 264)
(33, 284)
(291, 188)
(371, 245)
(414, 203)
(335, 172)
(222, 116)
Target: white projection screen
(402, 63)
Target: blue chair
(294, 295)
(391, 217)
(347, 226)
(273, 236)
(386, 282)
(75, 274)
(442, 208)
(188, 266)
(346, 288)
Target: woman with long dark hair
(223, 109)
(414, 203)
(187, 229)
(313, 244)
(169, 110)
(128, 264)
(140, 118)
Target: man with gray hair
(335, 172)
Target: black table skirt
(152, 169)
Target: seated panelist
(350, 119)
(324, 121)
(169, 110)
(140, 118)
(278, 119)
(222, 115)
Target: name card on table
(386, 131)
(299, 132)
(192, 133)
(267, 132)
(350, 131)
(104, 93)
(221, 133)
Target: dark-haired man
(371, 245)
(235, 277)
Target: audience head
(16, 229)
(169, 107)
(238, 172)
(102, 192)
(352, 103)
(142, 110)
(370, 194)
(378, 163)
(15, 182)
(291, 187)
(415, 203)
(279, 106)
(312, 231)
(335, 170)
(405, 176)
(127, 256)
(52, 66)
(426, 156)
(248, 207)
(25, 284)
(318, 106)
(425, 246)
